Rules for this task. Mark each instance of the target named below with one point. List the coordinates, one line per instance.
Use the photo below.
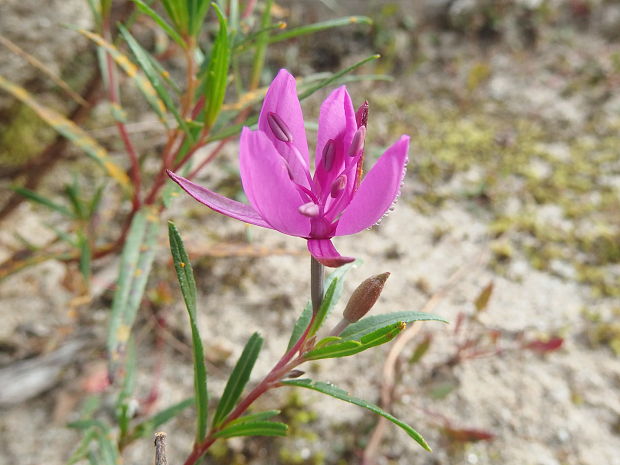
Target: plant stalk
(317, 284)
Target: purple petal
(336, 126)
(325, 252)
(377, 192)
(219, 203)
(267, 183)
(282, 100)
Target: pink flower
(276, 178)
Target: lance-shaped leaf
(217, 72)
(187, 283)
(197, 10)
(45, 201)
(334, 284)
(238, 379)
(320, 26)
(147, 427)
(260, 416)
(178, 12)
(335, 78)
(135, 267)
(144, 85)
(152, 74)
(333, 391)
(254, 428)
(71, 131)
(367, 325)
(161, 22)
(350, 347)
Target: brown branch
(160, 449)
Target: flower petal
(336, 127)
(219, 203)
(282, 100)
(325, 252)
(268, 186)
(377, 192)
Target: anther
(279, 127)
(329, 151)
(357, 144)
(361, 116)
(309, 209)
(338, 185)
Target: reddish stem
(284, 365)
(113, 95)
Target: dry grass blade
(44, 69)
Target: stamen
(357, 144)
(309, 209)
(279, 127)
(338, 185)
(329, 152)
(361, 116)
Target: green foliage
(216, 79)
(238, 379)
(136, 261)
(333, 391)
(187, 283)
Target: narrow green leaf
(45, 201)
(177, 10)
(326, 305)
(187, 283)
(107, 448)
(144, 85)
(232, 130)
(153, 75)
(336, 392)
(147, 427)
(300, 325)
(198, 12)
(336, 76)
(71, 131)
(161, 22)
(73, 193)
(421, 349)
(81, 451)
(135, 267)
(94, 203)
(342, 349)
(334, 284)
(255, 428)
(217, 72)
(350, 347)
(260, 416)
(123, 403)
(321, 26)
(367, 325)
(262, 41)
(238, 378)
(85, 258)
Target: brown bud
(364, 297)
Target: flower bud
(364, 297)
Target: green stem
(317, 284)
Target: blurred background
(508, 225)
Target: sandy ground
(556, 408)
